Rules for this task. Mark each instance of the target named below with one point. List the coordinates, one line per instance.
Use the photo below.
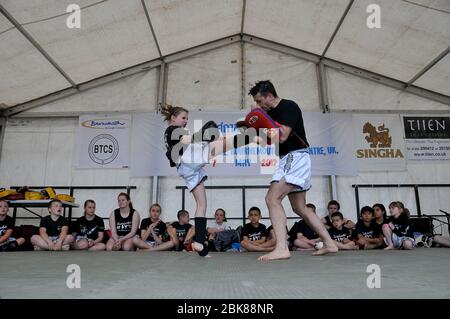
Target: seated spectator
(340, 234)
(181, 232)
(89, 229)
(124, 223)
(153, 233)
(219, 224)
(442, 241)
(367, 233)
(379, 215)
(333, 207)
(301, 236)
(397, 232)
(7, 242)
(253, 233)
(53, 230)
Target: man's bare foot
(329, 248)
(390, 247)
(65, 247)
(37, 248)
(276, 254)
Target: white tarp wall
(210, 82)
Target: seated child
(340, 234)
(367, 233)
(181, 232)
(397, 232)
(7, 242)
(153, 232)
(301, 236)
(253, 233)
(89, 229)
(53, 230)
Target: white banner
(103, 141)
(329, 136)
(427, 138)
(379, 142)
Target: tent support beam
(343, 67)
(19, 108)
(244, 5)
(28, 36)
(162, 85)
(151, 28)
(323, 87)
(3, 121)
(428, 66)
(14, 110)
(347, 9)
(315, 58)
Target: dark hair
(130, 205)
(168, 110)
(366, 209)
(338, 214)
(263, 88)
(383, 209)
(88, 201)
(334, 202)
(224, 213)
(5, 201)
(50, 203)
(312, 206)
(182, 212)
(255, 208)
(400, 205)
(155, 205)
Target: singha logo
(376, 138)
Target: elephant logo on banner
(378, 137)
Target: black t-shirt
(159, 229)
(401, 225)
(368, 232)
(181, 230)
(254, 233)
(288, 113)
(7, 223)
(52, 227)
(172, 137)
(123, 225)
(339, 235)
(90, 228)
(379, 227)
(303, 228)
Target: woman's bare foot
(329, 248)
(276, 254)
(390, 247)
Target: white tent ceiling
(39, 55)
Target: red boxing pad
(258, 118)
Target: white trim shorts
(192, 163)
(295, 167)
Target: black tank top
(123, 225)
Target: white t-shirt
(223, 226)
